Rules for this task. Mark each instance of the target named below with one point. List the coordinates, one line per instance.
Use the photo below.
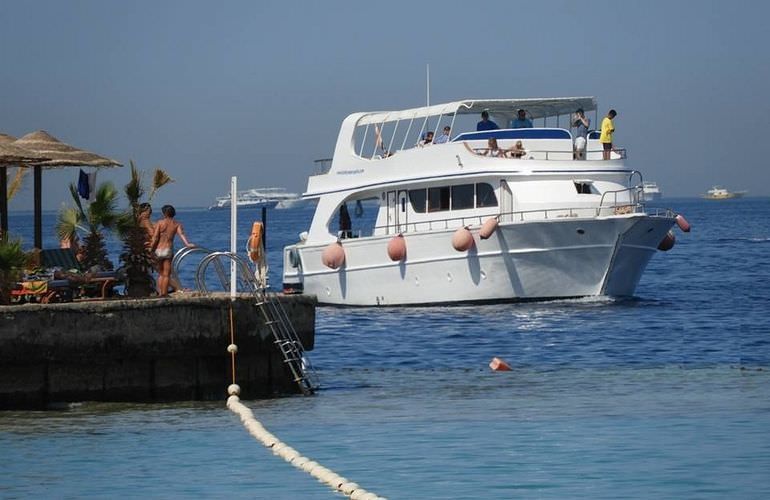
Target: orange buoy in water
(462, 239)
(488, 228)
(682, 223)
(255, 241)
(333, 256)
(667, 243)
(397, 248)
(498, 365)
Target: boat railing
(623, 208)
(543, 154)
(635, 195)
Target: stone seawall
(142, 350)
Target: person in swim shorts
(162, 245)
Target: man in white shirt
(444, 137)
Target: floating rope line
(281, 449)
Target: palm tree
(13, 260)
(137, 261)
(99, 216)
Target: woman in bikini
(163, 245)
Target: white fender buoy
(682, 223)
(397, 248)
(333, 256)
(498, 365)
(488, 228)
(462, 239)
(667, 243)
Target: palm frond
(159, 179)
(16, 183)
(76, 198)
(134, 189)
(102, 210)
(67, 223)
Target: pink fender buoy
(682, 223)
(667, 243)
(333, 256)
(488, 228)
(462, 239)
(397, 248)
(498, 365)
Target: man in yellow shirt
(606, 137)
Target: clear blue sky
(258, 89)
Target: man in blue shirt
(443, 138)
(486, 123)
(521, 120)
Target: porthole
(581, 231)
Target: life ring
(255, 241)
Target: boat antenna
(427, 83)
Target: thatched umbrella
(11, 155)
(61, 155)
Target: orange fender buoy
(255, 241)
(667, 243)
(397, 248)
(333, 256)
(498, 365)
(488, 228)
(462, 239)
(682, 223)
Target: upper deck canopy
(507, 108)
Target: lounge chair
(87, 285)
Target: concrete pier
(142, 350)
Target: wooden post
(264, 230)
(4, 201)
(38, 172)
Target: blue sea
(665, 395)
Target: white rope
(318, 471)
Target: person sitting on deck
(493, 149)
(486, 123)
(427, 139)
(521, 120)
(517, 151)
(444, 137)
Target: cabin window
(462, 196)
(438, 199)
(418, 198)
(583, 187)
(485, 195)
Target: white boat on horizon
(256, 198)
(561, 227)
(720, 193)
(652, 191)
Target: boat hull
(242, 206)
(521, 261)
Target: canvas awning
(507, 108)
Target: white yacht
(256, 198)
(720, 193)
(652, 191)
(467, 220)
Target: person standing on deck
(608, 127)
(163, 245)
(521, 120)
(486, 123)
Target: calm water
(666, 395)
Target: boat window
(485, 195)
(583, 187)
(418, 199)
(438, 199)
(462, 196)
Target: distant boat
(295, 203)
(651, 191)
(256, 198)
(720, 193)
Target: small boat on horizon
(720, 193)
(651, 191)
(256, 198)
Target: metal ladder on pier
(273, 313)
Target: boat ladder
(273, 313)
